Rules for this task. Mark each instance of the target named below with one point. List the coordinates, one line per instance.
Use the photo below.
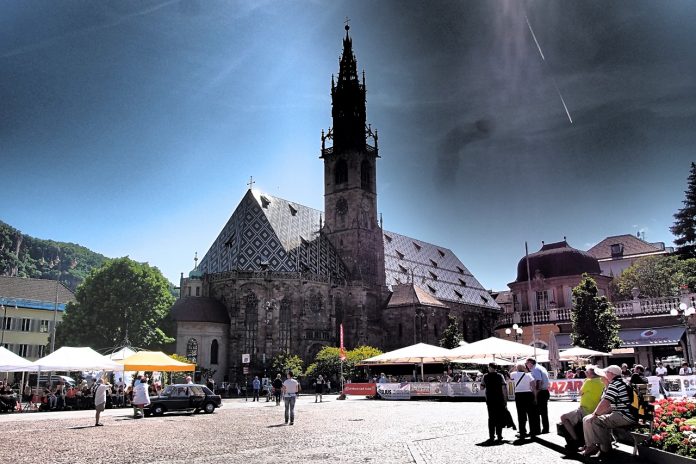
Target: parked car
(183, 397)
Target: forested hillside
(25, 256)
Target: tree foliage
(451, 336)
(25, 256)
(684, 227)
(122, 299)
(595, 324)
(282, 363)
(655, 277)
(328, 364)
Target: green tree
(595, 324)
(451, 336)
(282, 363)
(684, 227)
(655, 277)
(122, 299)
(328, 364)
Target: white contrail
(565, 107)
(534, 37)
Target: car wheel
(209, 407)
(148, 413)
(158, 410)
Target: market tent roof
(153, 361)
(418, 353)
(495, 347)
(70, 358)
(121, 354)
(10, 362)
(484, 361)
(579, 352)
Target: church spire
(348, 102)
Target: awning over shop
(631, 338)
(663, 336)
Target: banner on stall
(565, 389)
(394, 391)
(367, 389)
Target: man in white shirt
(524, 398)
(291, 388)
(685, 369)
(661, 370)
(100, 399)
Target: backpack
(636, 405)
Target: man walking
(540, 388)
(291, 388)
(277, 388)
(100, 400)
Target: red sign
(342, 350)
(367, 389)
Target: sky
(133, 127)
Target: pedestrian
(277, 388)
(613, 411)
(524, 398)
(100, 400)
(496, 402)
(188, 380)
(540, 388)
(638, 376)
(685, 369)
(382, 378)
(256, 386)
(291, 388)
(590, 395)
(141, 398)
(319, 388)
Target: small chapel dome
(196, 274)
(557, 260)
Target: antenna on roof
(564, 238)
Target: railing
(623, 309)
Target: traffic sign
(245, 370)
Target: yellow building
(28, 309)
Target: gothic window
(285, 316)
(338, 307)
(214, 352)
(365, 180)
(315, 302)
(341, 172)
(192, 350)
(251, 322)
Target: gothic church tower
(350, 181)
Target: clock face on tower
(342, 206)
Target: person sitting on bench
(590, 395)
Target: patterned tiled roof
(41, 290)
(270, 233)
(434, 269)
(409, 295)
(632, 245)
(267, 232)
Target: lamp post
(684, 312)
(516, 329)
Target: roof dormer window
(432, 290)
(442, 253)
(387, 238)
(433, 275)
(265, 201)
(461, 271)
(433, 263)
(403, 269)
(617, 250)
(293, 210)
(418, 247)
(399, 254)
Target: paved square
(353, 431)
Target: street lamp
(684, 312)
(517, 331)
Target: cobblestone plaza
(353, 431)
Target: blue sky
(132, 127)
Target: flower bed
(674, 427)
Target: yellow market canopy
(154, 361)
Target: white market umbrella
(578, 352)
(10, 362)
(76, 359)
(484, 361)
(494, 347)
(122, 354)
(420, 353)
(554, 353)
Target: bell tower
(350, 180)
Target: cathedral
(282, 277)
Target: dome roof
(557, 260)
(196, 274)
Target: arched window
(341, 172)
(365, 178)
(192, 350)
(214, 352)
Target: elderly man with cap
(612, 412)
(100, 399)
(590, 395)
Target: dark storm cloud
(454, 146)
